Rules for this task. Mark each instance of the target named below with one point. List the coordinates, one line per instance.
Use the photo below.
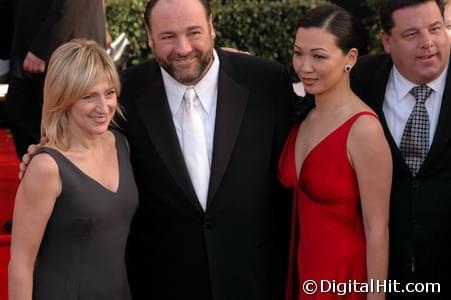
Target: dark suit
(420, 208)
(40, 27)
(237, 249)
(6, 28)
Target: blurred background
(264, 27)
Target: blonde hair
(74, 68)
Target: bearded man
(205, 129)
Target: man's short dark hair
(151, 4)
(387, 7)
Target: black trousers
(24, 109)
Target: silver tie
(195, 146)
(415, 139)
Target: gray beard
(202, 65)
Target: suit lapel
(377, 90)
(231, 105)
(442, 133)
(154, 110)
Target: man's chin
(186, 73)
(187, 80)
(187, 77)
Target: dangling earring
(348, 68)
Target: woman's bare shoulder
(42, 167)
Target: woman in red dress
(338, 163)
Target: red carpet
(8, 185)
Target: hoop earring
(348, 68)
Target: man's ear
(212, 28)
(386, 39)
(149, 39)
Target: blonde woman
(75, 203)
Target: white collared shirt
(207, 91)
(399, 103)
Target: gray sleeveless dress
(82, 255)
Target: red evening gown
(327, 235)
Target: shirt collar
(403, 85)
(206, 89)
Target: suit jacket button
(207, 225)
(416, 184)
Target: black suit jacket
(237, 249)
(420, 208)
(6, 28)
(42, 26)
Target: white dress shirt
(399, 103)
(207, 91)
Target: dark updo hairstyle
(343, 26)
(337, 21)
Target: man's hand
(108, 38)
(234, 50)
(27, 156)
(33, 64)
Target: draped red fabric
(8, 184)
